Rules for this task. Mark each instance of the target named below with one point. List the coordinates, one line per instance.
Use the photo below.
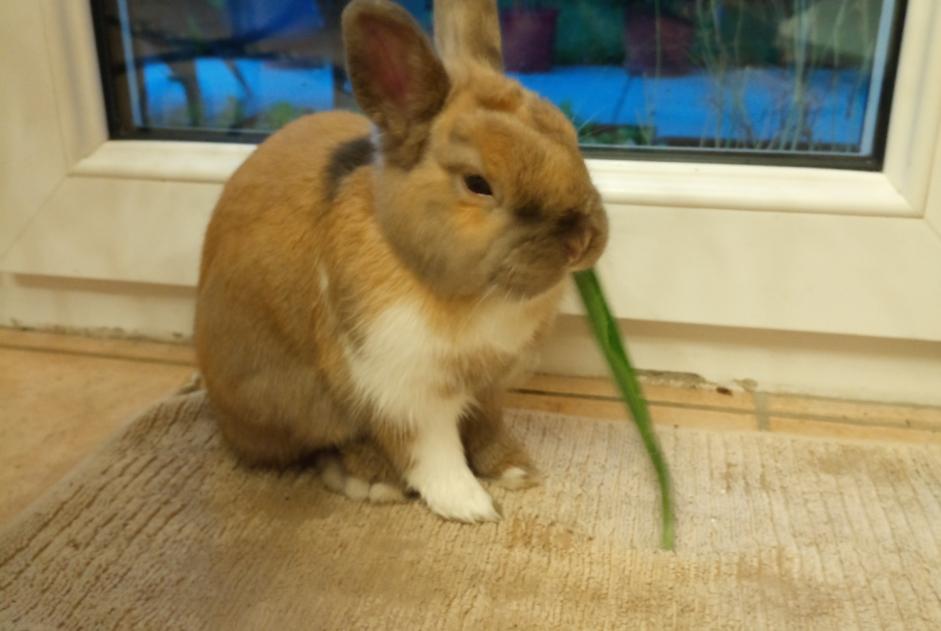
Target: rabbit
(382, 279)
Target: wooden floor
(61, 396)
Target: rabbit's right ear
(469, 29)
(397, 78)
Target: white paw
(515, 478)
(336, 479)
(356, 489)
(382, 493)
(331, 472)
(458, 496)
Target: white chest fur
(402, 362)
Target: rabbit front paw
(457, 496)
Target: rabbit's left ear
(469, 29)
(397, 78)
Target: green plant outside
(598, 134)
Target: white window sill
(687, 185)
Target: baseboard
(99, 308)
(861, 368)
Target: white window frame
(756, 247)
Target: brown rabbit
(382, 279)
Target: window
(787, 81)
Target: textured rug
(161, 530)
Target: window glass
(748, 79)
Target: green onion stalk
(606, 332)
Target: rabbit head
(480, 187)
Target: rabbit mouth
(527, 280)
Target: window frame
(141, 206)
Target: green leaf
(608, 336)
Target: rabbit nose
(578, 245)
(577, 236)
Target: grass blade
(608, 336)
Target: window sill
(686, 185)
(206, 162)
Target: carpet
(161, 529)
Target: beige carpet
(160, 530)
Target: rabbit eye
(478, 185)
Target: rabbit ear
(469, 29)
(397, 78)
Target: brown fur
(467, 30)
(365, 460)
(491, 449)
(273, 342)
